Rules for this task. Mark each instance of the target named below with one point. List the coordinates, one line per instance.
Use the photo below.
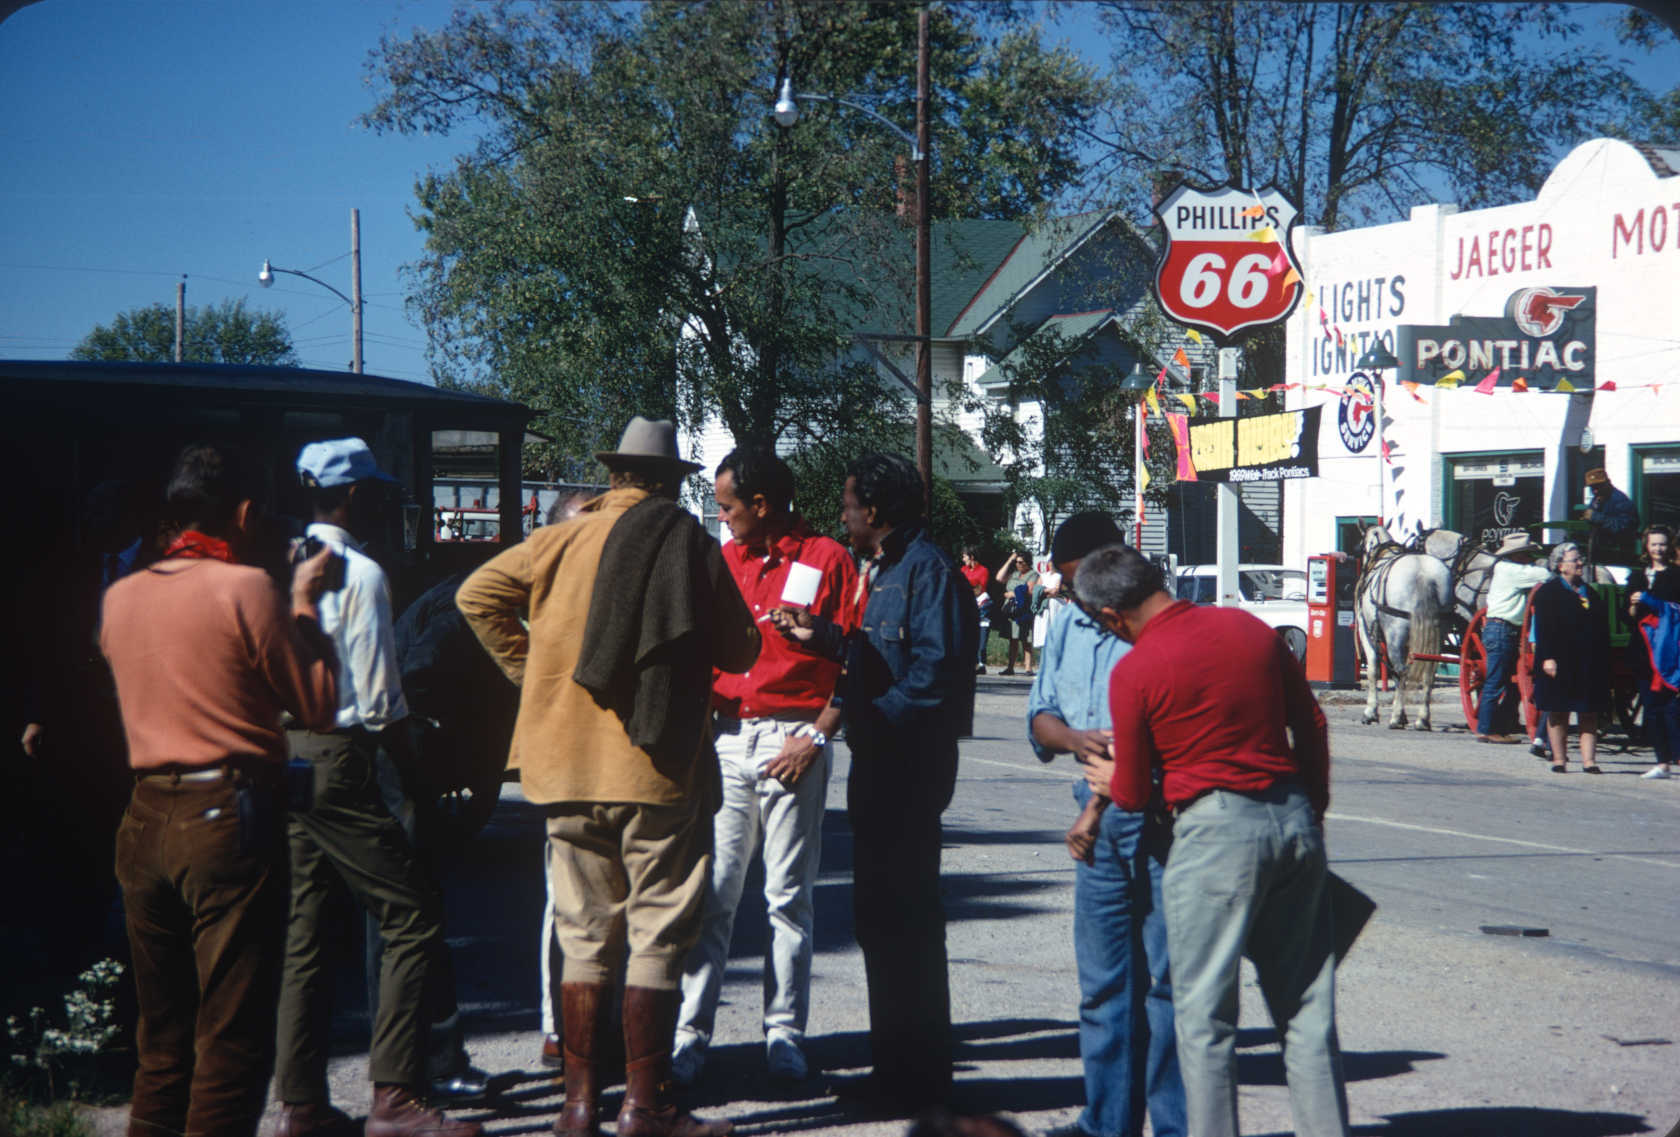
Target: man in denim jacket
(908, 693)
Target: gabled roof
(963, 257)
(1073, 330)
(1035, 254)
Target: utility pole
(924, 284)
(356, 290)
(180, 315)
(1227, 546)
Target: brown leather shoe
(398, 1113)
(312, 1119)
(650, 1022)
(551, 1055)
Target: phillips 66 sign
(1225, 263)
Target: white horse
(1399, 603)
(1471, 567)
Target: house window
(1491, 495)
(1656, 485)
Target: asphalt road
(1446, 1030)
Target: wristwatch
(809, 730)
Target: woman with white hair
(1570, 630)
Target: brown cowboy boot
(582, 1008)
(398, 1113)
(650, 1023)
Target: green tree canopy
(1357, 110)
(221, 333)
(632, 233)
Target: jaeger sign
(1226, 259)
(1547, 335)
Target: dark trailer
(70, 428)
(88, 448)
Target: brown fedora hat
(647, 442)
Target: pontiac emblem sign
(1225, 259)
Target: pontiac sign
(1546, 336)
(1226, 258)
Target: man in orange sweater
(206, 653)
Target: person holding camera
(1019, 580)
(206, 653)
(348, 832)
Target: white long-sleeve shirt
(1508, 589)
(358, 618)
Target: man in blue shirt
(1119, 933)
(907, 694)
(1613, 518)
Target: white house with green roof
(1008, 297)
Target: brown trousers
(204, 886)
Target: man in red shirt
(1213, 699)
(978, 577)
(771, 728)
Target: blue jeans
(1500, 641)
(1125, 1024)
(1247, 877)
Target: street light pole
(924, 276)
(266, 278)
(786, 113)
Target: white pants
(547, 954)
(790, 824)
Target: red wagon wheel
(1472, 668)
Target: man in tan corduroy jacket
(624, 767)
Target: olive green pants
(347, 832)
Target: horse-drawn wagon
(1404, 611)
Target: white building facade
(1607, 219)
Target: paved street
(1446, 1030)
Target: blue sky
(143, 139)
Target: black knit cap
(1084, 533)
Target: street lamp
(1378, 358)
(265, 277)
(786, 113)
(1137, 383)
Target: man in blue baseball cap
(349, 832)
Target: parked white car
(1276, 594)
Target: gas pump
(1330, 650)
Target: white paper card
(801, 587)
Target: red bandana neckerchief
(197, 546)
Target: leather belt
(217, 773)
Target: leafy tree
(632, 233)
(222, 333)
(1356, 110)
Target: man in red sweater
(207, 652)
(1213, 700)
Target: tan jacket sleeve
(493, 599)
